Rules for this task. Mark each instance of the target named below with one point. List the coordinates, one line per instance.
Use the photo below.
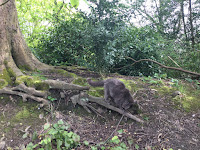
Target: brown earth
(166, 125)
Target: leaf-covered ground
(171, 121)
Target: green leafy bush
(56, 136)
(137, 43)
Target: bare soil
(166, 126)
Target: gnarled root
(25, 96)
(40, 96)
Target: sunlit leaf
(74, 3)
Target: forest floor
(166, 124)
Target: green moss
(19, 115)
(25, 68)
(64, 73)
(11, 73)
(96, 91)
(41, 86)
(5, 75)
(165, 90)
(23, 114)
(187, 102)
(32, 81)
(130, 84)
(8, 74)
(80, 81)
(3, 83)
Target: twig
(114, 130)
(173, 61)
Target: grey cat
(116, 90)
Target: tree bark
(191, 24)
(14, 52)
(183, 18)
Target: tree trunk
(183, 18)
(191, 24)
(14, 52)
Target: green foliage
(137, 43)
(152, 80)
(103, 39)
(36, 15)
(77, 41)
(118, 144)
(74, 3)
(136, 146)
(56, 136)
(51, 98)
(68, 43)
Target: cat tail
(95, 83)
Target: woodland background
(102, 38)
(102, 42)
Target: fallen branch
(84, 99)
(163, 66)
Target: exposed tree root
(29, 90)
(25, 96)
(54, 84)
(40, 96)
(83, 99)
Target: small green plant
(175, 81)
(121, 131)
(51, 98)
(178, 85)
(146, 118)
(137, 146)
(56, 136)
(120, 145)
(160, 76)
(151, 80)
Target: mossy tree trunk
(14, 52)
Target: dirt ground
(165, 127)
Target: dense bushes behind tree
(79, 42)
(103, 39)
